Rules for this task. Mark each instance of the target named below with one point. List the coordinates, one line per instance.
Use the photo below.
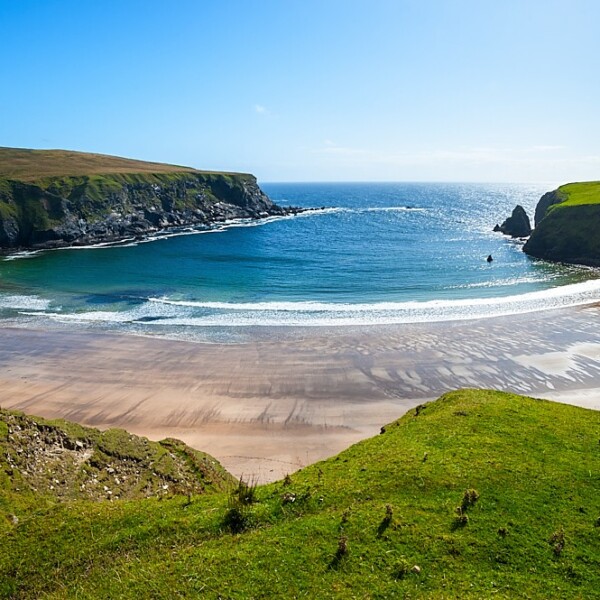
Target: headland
(60, 198)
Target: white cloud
(261, 110)
(330, 147)
(466, 155)
(547, 148)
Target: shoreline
(267, 407)
(157, 234)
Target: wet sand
(269, 407)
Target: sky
(311, 90)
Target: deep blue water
(379, 253)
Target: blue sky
(303, 90)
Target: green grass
(379, 520)
(576, 194)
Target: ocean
(376, 253)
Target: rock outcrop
(517, 225)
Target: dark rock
(9, 232)
(497, 228)
(517, 225)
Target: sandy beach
(272, 406)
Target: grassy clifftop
(567, 225)
(577, 194)
(24, 164)
(477, 495)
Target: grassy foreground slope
(477, 495)
(567, 225)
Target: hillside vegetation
(477, 495)
(567, 225)
(63, 461)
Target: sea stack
(517, 225)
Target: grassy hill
(567, 225)
(477, 495)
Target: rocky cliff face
(545, 202)
(568, 234)
(80, 210)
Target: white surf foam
(162, 312)
(567, 295)
(22, 254)
(22, 302)
(218, 227)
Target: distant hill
(31, 165)
(478, 495)
(567, 222)
(57, 198)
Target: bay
(377, 253)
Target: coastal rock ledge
(55, 198)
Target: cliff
(55, 198)
(567, 222)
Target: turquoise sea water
(377, 254)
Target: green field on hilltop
(478, 495)
(576, 194)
